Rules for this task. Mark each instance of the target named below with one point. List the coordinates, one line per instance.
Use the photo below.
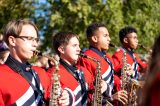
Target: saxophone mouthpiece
(140, 45)
(37, 53)
(112, 45)
(82, 54)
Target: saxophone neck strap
(103, 55)
(10, 62)
(79, 76)
(131, 53)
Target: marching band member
(129, 40)
(72, 78)
(99, 39)
(22, 83)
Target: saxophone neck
(89, 57)
(114, 46)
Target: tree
(14, 9)
(145, 16)
(76, 15)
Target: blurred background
(52, 16)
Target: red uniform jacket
(69, 83)
(118, 62)
(15, 89)
(105, 68)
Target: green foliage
(145, 16)
(14, 9)
(76, 15)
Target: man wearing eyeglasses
(21, 83)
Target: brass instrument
(97, 97)
(145, 57)
(145, 48)
(55, 83)
(112, 45)
(125, 78)
(135, 88)
(56, 87)
(130, 85)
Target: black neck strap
(131, 53)
(10, 62)
(103, 55)
(72, 70)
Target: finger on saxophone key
(103, 86)
(64, 98)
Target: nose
(137, 40)
(35, 43)
(79, 49)
(109, 39)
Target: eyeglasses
(133, 37)
(29, 38)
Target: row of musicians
(79, 70)
(77, 74)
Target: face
(103, 38)
(132, 40)
(24, 45)
(71, 51)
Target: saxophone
(135, 88)
(124, 77)
(56, 87)
(129, 84)
(97, 97)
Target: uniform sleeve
(71, 96)
(50, 71)
(89, 79)
(117, 83)
(117, 61)
(143, 65)
(1, 100)
(45, 81)
(88, 64)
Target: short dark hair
(125, 31)
(92, 28)
(14, 28)
(62, 39)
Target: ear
(94, 39)
(61, 49)
(125, 40)
(11, 40)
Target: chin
(75, 59)
(135, 47)
(29, 57)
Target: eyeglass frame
(30, 38)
